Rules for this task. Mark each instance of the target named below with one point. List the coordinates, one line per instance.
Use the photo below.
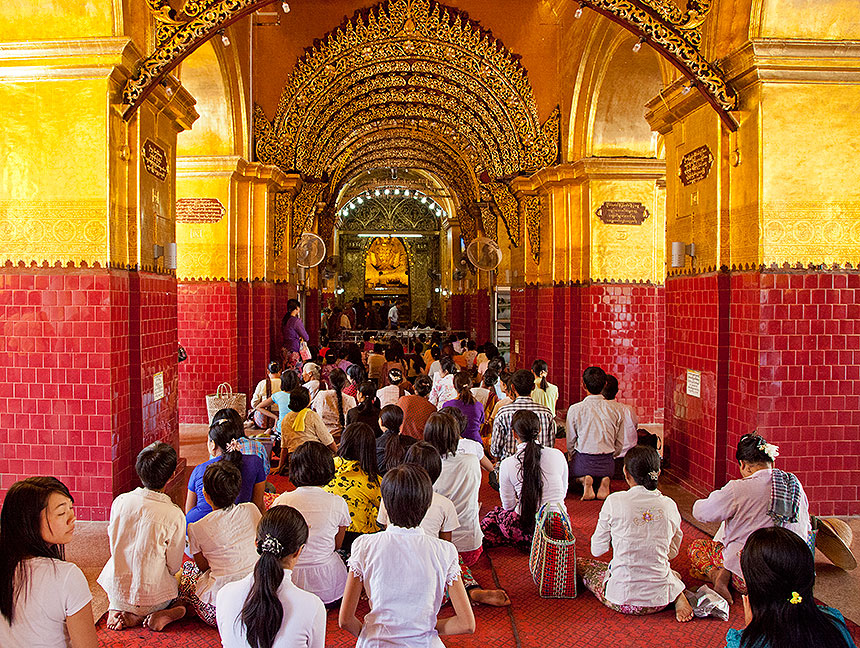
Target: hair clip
(769, 449)
(234, 446)
(220, 421)
(271, 544)
(795, 598)
(654, 474)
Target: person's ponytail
(539, 369)
(223, 434)
(526, 426)
(463, 385)
(337, 378)
(281, 532)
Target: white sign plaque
(158, 386)
(694, 383)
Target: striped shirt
(504, 441)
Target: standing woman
(293, 332)
(332, 404)
(265, 609)
(545, 393)
(368, 408)
(356, 480)
(528, 479)
(43, 599)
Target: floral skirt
(502, 527)
(593, 574)
(188, 594)
(705, 557)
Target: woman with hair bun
(265, 609)
(643, 528)
(779, 609)
(763, 497)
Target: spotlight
(286, 7)
(638, 46)
(224, 39)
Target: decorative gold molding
(508, 207)
(530, 207)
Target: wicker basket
(225, 397)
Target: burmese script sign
(155, 160)
(199, 210)
(622, 213)
(696, 165)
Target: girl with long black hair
(368, 408)
(356, 480)
(528, 479)
(265, 609)
(332, 404)
(42, 597)
(391, 447)
(780, 612)
(545, 393)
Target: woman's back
(325, 404)
(404, 601)
(252, 473)
(361, 494)
(460, 481)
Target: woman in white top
(332, 404)
(221, 542)
(48, 599)
(266, 609)
(459, 482)
(404, 603)
(271, 384)
(443, 384)
(643, 528)
(528, 479)
(764, 497)
(319, 569)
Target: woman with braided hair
(265, 609)
(333, 404)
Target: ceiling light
(397, 192)
(377, 192)
(286, 7)
(686, 89)
(423, 200)
(406, 192)
(224, 39)
(387, 191)
(360, 200)
(638, 45)
(578, 12)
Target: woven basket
(552, 560)
(225, 397)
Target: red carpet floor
(530, 622)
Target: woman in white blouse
(643, 528)
(265, 608)
(332, 404)
(528, 479)
(443, 384)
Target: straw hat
(834, 541)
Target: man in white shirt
(629, 422)
(594, 436)
(393, 316)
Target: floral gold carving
(531, 214)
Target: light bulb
(225, 40)
(377, 192)
(686, 89)
(397, 192)
(386, 192)
(578, 13)
(638, 46)
(406, 193)
(360, 200)
(423, 201)
(286, 7)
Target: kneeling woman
(643, 528)
(764, 497)
(528, 479)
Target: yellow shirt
(362, 496)
(546, 398)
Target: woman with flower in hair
(643, 528)
(763, 497)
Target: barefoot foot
(721, 578)
(114, 620)
(158, 620)
(496, 598)
(603, 491)
(130, 620)
(587, 488)
(683, 609)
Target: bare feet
(114, 620)
(683, 609)
(587, 488)
(603, 491)
(721, 578)
(496, 598)
(158, 620)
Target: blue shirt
(733, 636)
(252, 474)
(282, 400)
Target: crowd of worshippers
(386, 449)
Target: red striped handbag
(552, 561)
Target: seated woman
(45, 600)
(391, 447)
(222, 444)
(332, 404)
(467, 445)
(302, 424)
(471, 408)
(265, 609)
(763, 497)
(277, 405)
(460, 482)
(368, 408)
(265, 388)
(311, 378)
(779, 609)
(396, 387)
(355, 375)
(545, 393)
(356, 480)
(329, 365)
(222, 543)
(528, 479)
(643, 528)
(318, 569)
(443, 383)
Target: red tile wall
(518, 324)
(74, 344)
(207, 326)
(312, 315)
(283, 292)
(457, 312)
(480, 316)
(255, 318)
